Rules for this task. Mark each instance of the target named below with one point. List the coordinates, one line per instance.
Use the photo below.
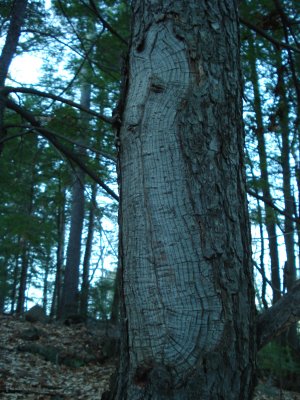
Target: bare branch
(272, 205)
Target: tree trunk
(188, 299)
(14, 284)
(25, 245)
(290, 265)
(115, 307)
(70, 294)
(4, 284)
(87, 256)
(61, 230)
(9, 49)
(69, 303)
(259, 220)
(23, 280)
(270, 218)
(46, 281)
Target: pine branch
(262, 33)
(50, 136)
(8, 89)
(96, 151)
(105, 23)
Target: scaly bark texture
(184, 245)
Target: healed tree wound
(187, 283)
(160, 92)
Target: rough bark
(184, 243)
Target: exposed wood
(184, 246)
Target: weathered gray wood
(187, 283)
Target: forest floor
(57, 362)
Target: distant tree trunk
(46, 283)
(61, 230)
(23, 279)
(25, 246)
(290, 266)
(187, 289)
(69, 303)
(260, 222)
(14, 284)
(270, 219)
(115, 307)
(283, 114)
(297, 209)
(9, 49)
(70, 294)
(87, 256)
(3, 283)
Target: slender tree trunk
(70, 294)
(283, 114)
(187, 290)
(69, 304)
(61, 230)
(87, 256)
(3, 283)
(297, 209)
(290, 266)
(25, 247)
(260, 221)
(115, 307)
(23, 280)
(14, 285)
(10, 46)
(45, 283)
(270, 219)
